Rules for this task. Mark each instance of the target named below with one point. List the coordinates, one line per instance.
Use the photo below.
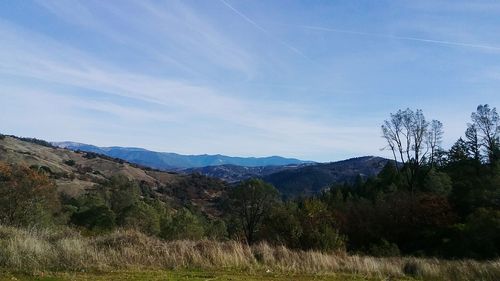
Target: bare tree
(410, 139)
(434, 139)
(487, 123)
(419, 128)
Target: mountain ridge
(291, 180)
(175, 161)
(311, 179)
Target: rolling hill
(235, 173)
(74, 172)
(303, 179)
(312, 179)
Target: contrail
(249, 20)
(425, 40)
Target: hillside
(174, 161)
(235, 173)
(311, 179)
(75, 172)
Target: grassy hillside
(76, 172)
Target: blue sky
(306, 79)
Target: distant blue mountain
(174, 161)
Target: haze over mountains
(174, 161)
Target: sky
(307, 79)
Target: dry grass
(66, 250)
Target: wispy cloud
(159, 29)
(272, 121)
(397, 37)
(214, 77)
(265, 31)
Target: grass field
(129, 255)
(187, 275)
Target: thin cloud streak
(407, 38)
(256, 25)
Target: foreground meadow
(130, 255)
(188, 275)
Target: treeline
(427, 202)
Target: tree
(288, 230)
(437, 182)
(250, 202)
(434, 139)
(473, 145)
(97, 218)
(182, 225)
(318, 227)
(122, 193)
(487, 123)
(27, 197)
(458, 152)
(142, 217)
(410, 138)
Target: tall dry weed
(31, 250)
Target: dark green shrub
(142, 217)
(384, 249)
(96, 218)
(182, 225)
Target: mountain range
(292, 177)
(173, 161)
(302, 179)
(77, 167)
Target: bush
(384, 249)
(216, 230)
(121, 193)
(289, 229)
(96, 218)
(182, 225)
(482, 233)
(437, 182)
(142, 217)
(27, 197)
